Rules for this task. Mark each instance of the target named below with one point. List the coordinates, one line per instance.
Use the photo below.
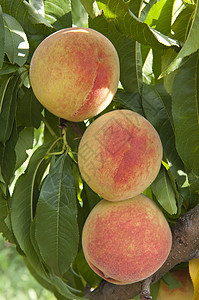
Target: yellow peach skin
(185, 292)
(119, 155)
(74, 73)
(126, 241)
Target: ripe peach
(126, 241)
(185, 292)
(74, 73)
(120, 155)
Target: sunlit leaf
(38, 5)
(91, 8)
(16, 43)
(117, 11)
(58, 13)
(191, 45)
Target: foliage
(42, 196)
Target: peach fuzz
(126, 241)
(74, 73)
(185, 292)
(119, 155)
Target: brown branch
(185, 247)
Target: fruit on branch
(74, 73)
(185, 292)
(119, 155)
(126, 241)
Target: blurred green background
(16, 283)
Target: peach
(185, 292)
(119, 155)
(74, 73)
(126, 241)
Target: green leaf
(16, 43)
(24, 142)
(128, 52)
(64, 290)
(171, 281)
(56, 217)
(21, 202)
(86, 272)
(164, 193)
(89, 200)
(91, 8)
(51, 129)
(4, 213)
(79, 14)
(8, 68)
(38, 6)
(126, 22)
(28, 109)
(181, 25)
(58, 13)
(2, 38)
(191, 45)
(130, 100)
(160, 16)
(34, 272)
(32, 22)
(157, 108)
(185, 111)
(8, 156)
(8, 100)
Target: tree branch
(185, 246)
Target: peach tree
(44, 200)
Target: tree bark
(185, 246)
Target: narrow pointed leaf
(4, 213)
(164, 193)
(191, 45)
(160, 16)
(27, 16)
(181, 25)
(157, 108)
(64, 289)
(91, 8)
(24, 142)
(16, 43)
(185, 111)
(8, 101)
(8, 68)
(58, 13)
(127, 23)
(28, 109)
(8, 156)
(56, 217)
(21, 213)
(2, 38)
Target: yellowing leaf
(194, 273)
